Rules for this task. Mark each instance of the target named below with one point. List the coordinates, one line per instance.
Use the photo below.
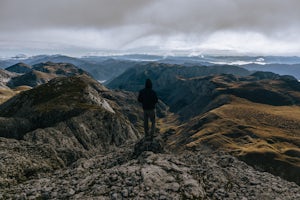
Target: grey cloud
(127, 23)
(27, 14)
(162, 15)
(207, 16)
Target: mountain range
(223, 133)
(100, 68)
(108, 67)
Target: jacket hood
(148, 84)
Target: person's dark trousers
(149, 114)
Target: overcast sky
(80, 27)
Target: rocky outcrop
(154, 145)
(201, 174)
(22, 160)
(5, 91)
(70, 115)
(5, 76)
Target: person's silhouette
(148, 98)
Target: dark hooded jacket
(147, 96)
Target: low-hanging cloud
(129, 21)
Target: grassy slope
(265, 136)
(268, 125)
(260, 124)
(6, 93)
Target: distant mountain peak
(41, 73)
(20, 68)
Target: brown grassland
(265, 136)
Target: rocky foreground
(203, 174)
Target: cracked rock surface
(203, 174)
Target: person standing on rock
(148, 98)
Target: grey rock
(53, 133)
(116, 196)
(155, 176)
(148, 144)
